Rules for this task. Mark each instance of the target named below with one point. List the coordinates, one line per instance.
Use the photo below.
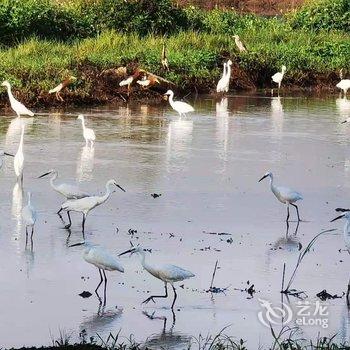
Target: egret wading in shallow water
(84, 205)
(29, 217)
(224, 82)
(278, 77)
(67, 190)
(89, 134)
(18, 107)
(103, 260)
(65, 83)
(18, 161)
(284, 194)
(346, 234)
(2, 156)
(344, 86)
(180, 107)
(166, 273)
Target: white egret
(346, 234)
(18, 107)
(89, 134)
(278, 77)
(2, 156)
(84, 205)
(166, 273)
(224, 82)
(29, 216)
(284, 194)
(239, 44)
(18, 161)
(180, 107)
(102, 259)
(69, 191)
(344, 85)
(65, 83)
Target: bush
(323, 14)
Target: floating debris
(156, 195)
(85, 294)
(324, 295)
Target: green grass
(195, 57)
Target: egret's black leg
(83, 223)
(287, 213)
(70, 220)
(31, 236)
(296, 207)
(98, 286)
(26, 235)
(175, 296)
(59, 213)
(348, 295)
(157, 296)
(104, 274)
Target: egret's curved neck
(83, 122)
(107, 194)
(346, 229)
(271, 183)
(228, 70)
(9, 92)
(53, 178)
(29, 199)
(171, 100)
(142, 256)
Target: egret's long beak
(132, 250)
(338, 217)
(121, 188)
(77, 244)
(343, 122)
(44, 174)
(263, 178)
(8, 154)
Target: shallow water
(206, 166)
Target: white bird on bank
(2, 156)
(344, 85)
(29, 216)
(278, 77)
(84, 205)
(224, 82)
(166, 273)
(65, 83)
(18, 107)
(346, 235)
(18, 161)
(239, 44)
(103, 260)
(89, 134)
(180, 107)
(284, 194)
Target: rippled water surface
(207, 167)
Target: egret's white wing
(183, 107)
(103, 259)
(56, 89)
(289, 194)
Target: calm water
(206, 167)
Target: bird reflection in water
(85, 165)
(277, 116)
(222, 126)
(101, 320)
(16, 210)
(166, 339)
(343, 107)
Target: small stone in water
(85, 294)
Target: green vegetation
(45, 40)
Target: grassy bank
(197, 44)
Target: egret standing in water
(284, 194)
(89, 134)
(166, 273)
(346, 234)
(18, 107)
(103, 260)
(2, 156)
(18, 161)
(180, 107)
(84, 205)
(29, 217)
(278, 77)
(344, 86)
(67, 190)
(224, 82)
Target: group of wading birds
(82, 202)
